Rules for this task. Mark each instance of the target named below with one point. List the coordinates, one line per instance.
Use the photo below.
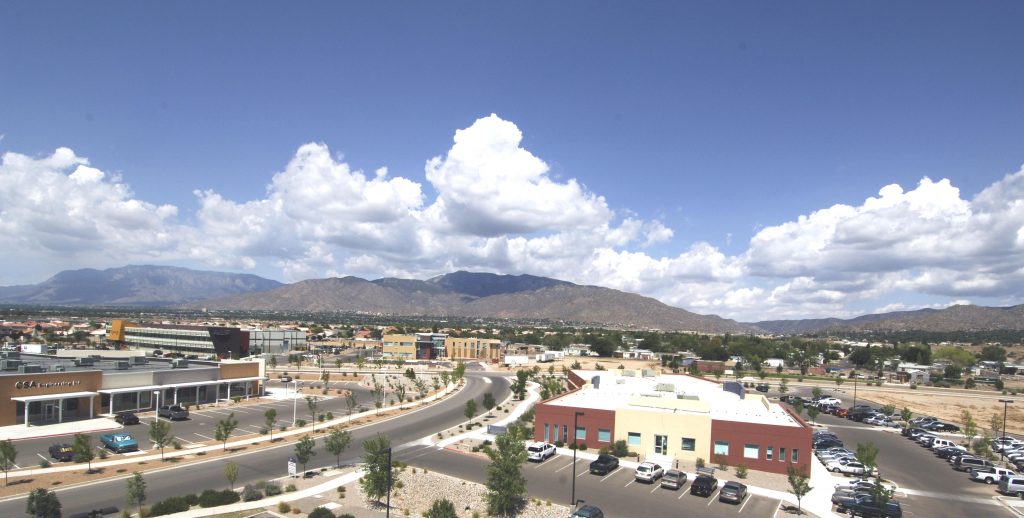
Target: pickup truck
(119, 442)
(865, 505)
(172, 412)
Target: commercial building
(275, 341)
(223, 342)
(40, 390)
(395, 347)
(487, 349)
(665, 418)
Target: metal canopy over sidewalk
(50, 397)
(176, 386)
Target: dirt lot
(948, 406)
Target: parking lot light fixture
(1002, 447)
(575, 425)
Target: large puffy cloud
(495, 207)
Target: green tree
(489, 402)
(888, 409)
(43, 504)
(305, 449)
(160, 434)
(783, 386)
(400, 394)
(377, 471)
(470, 410)
(325, 377)
(136, 491)
(906, 414)
(81, 450)
(270, 418)
(223, 430)
(993, 353)
(8, 454)
(506, 485)
(995, 422)
(312, 404)
(360, 362)
(272, 362)
(867, 454)
(816, 392)
(231, 473)
(336, 443)
(519, 386)
(881, 494)
(955, 355)
(458, 372)
(798, 485)
(442, 508)
(813, 412)
(970, 428)
(446, 378)
(839, 381)
(351, 404)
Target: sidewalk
(20, 431)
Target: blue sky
(667, 148)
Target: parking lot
(928, 486)
(616, 493)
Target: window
(721, 447)
(751, 451)
(768, 453)
(689, 444)
(796, 455)
(546, 433)
(565, 432)
(782, 455)
(633, 439)
(604, 435)
(581, 433)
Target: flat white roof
(45, 397)
(616, 392)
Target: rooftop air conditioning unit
(84, 362)
(12, 355)
(30, 369)
(9, 365)
(59, 368)
(179, 363)
(139, 360)
(123, 365)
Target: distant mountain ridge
(469, 294)
(134, 285)
(953, 318)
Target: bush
(620, 448)
(999, 385)
(320, 512)
(192, 499)
(283, 507)
(264, 431)
(700, 462)
(300, 422)
(913, 386)
(104, 454)
(213, 498)
(174, 504)
(290, 488)
(330, 416)
(272, 489)
(236, 399)
(582, 446)
(741, 471)
(559, 444)
(251, 494)
(44, 464)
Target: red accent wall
(737, 434)
(575, 381)
(557, 415)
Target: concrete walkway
(20, 431)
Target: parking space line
(713, 497)
(618, 469)
(653, 489)
(778, 505)
(184, 439)
(203, 436)
(630, 482)
(583, 473)
(41, 456)
(744, 503)
(683, 492)
(563, 467)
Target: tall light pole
(295, 401)
(575, 424)
(855, 387)
(1002, 447)
(388, 512)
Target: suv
(1013, 486)
(673, 479)
(969, 463)
(732, 492)
(62, 452)
(539, 451)
(172, 412)
(704, 485)
(587, 511)
(604, 464)
(648, 472)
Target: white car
(538, 451)
(648, 472)
(848, 468)
(829, 401)
(862, 484)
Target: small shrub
(104, 454)
(214, 498)
(44, 464)
(399, 484)
(236, 399)
(282, 427)
(290, 488)
(283, 507)
(700, 462)
(264, 431)
(251, 493)
(174, 504)
(741, 471)
(582, 446)
(559, 444)
(320, 418)
(176, 444)
(321, 512)
(192, 499)
(272, 489)
(330, 416)
(913, 386)
(300, 422)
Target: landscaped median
(64, 475)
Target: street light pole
(295, 401)
(855, 388)
(388, 512)
(575, 424)
(1002, 447)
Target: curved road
(270, 462)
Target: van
(1012, 486)
(969, 463)
(942, 443)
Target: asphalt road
(617, 494)
(270, 462)
(929, 485)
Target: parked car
(1013, 486)
(119, 442)
(704, 485)
(539, 451)
(880, 420)
(830, 401)
(969, 463)
(62, 452)
(587, 511)
(172, 412)
(761, 387)
(841, 412)
(827, 443)
(938, 426)
(604, 464)
(948, 451)
(648, 472)
(285, 378)
(990, 475)
(126, 418)
(868, 507)
(847, 494)
(848, 467)
(732, 492)
(673, 479)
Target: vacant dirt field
(949, 406)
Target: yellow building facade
(473, 348)
(399, 346)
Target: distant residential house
(636, 354)
(772, 363)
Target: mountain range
(458, 294)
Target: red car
(841, 412)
